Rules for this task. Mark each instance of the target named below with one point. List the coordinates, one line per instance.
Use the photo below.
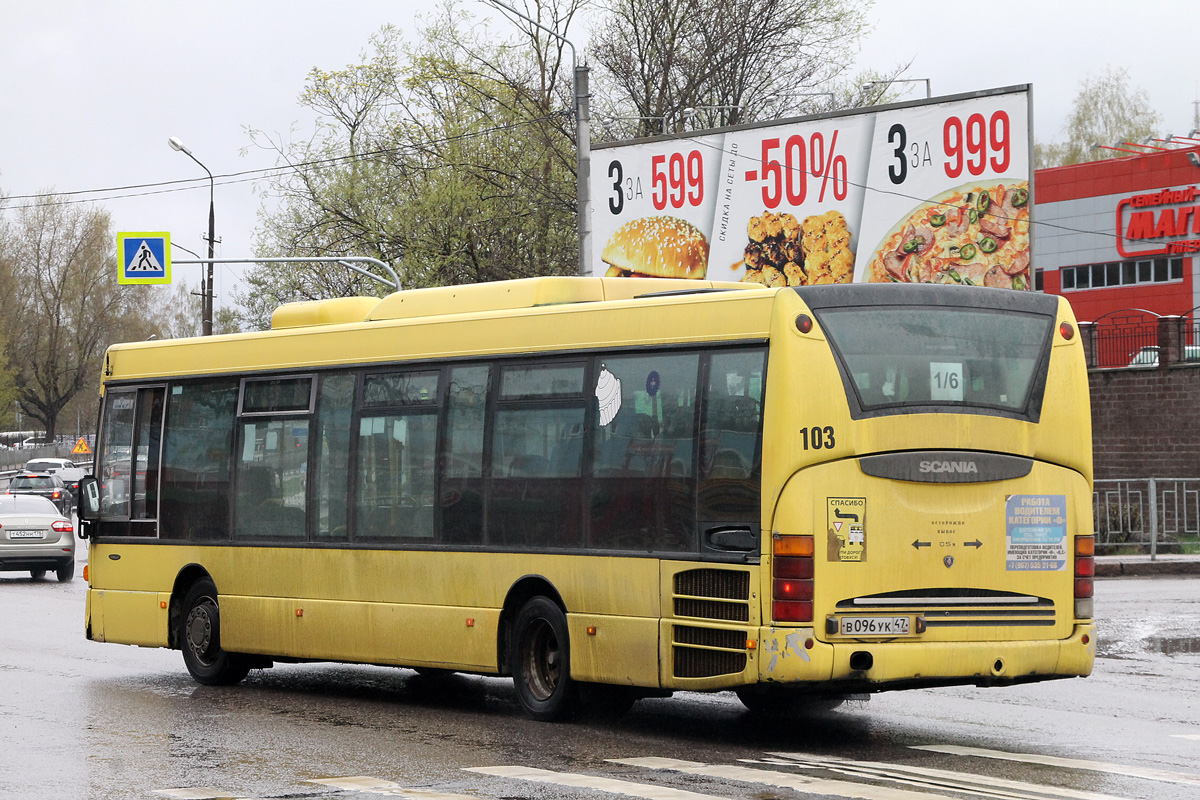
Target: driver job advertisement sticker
(1035, 533)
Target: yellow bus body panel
(644, 621)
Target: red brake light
(62, 526)
(792, 610)
(792, 568)
(793, 589)
(787, 567)
(1066, 330)
(1085, 565)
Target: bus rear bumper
(795, 656)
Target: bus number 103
(818, 438)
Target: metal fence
(1154, 514)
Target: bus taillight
(792, 574)
(1085, 572)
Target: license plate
(873, 626)
(24, 534)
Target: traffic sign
(81, 447)
(145, 257)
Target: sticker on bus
(847, 518)
(1035, 533)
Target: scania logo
(961, 467)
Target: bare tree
(722, 60)
(64, 305)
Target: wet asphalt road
(85, 720)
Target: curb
(1118, 567)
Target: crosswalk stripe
(940, 778)
(784, 780)
(1149, 773)
(612, 785)
(366, 783)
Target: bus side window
(461, 489)
(196, 460)
(642, 490)
(731, 438)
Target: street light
(928, 90)
(206, 286)
(583, 164)
(692, 112)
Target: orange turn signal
(792, 545)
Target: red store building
(1120, 238)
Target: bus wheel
(540, 661)
(200, 639)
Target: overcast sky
(92, 90)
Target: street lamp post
(887, 84)
(583, 164)
(206, 285)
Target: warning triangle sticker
(143, 260)
(837, 525)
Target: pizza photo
(974, 235)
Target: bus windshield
(902, 356)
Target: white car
(35, 537)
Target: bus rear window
(898, 357)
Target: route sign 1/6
(145, 257)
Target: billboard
(933, 191)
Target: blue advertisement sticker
(1035, 532)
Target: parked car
(63, 468)
(45, 485)
(35, 536)
(1148, 356)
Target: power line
(244, 176)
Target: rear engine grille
(958, 608)
(726, 584)
(720, 594)
(708, 652)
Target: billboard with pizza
(933, 191)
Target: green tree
(1107, 111)
(451, 159)
(64, 307)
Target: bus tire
(200, 639)
(541, 662)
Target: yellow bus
(622, 486)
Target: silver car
(34, 536)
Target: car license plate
(24, 534)
(873, 626)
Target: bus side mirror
(89, 498)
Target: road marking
(1149, 773)
(1195, 737)
(196, 793)
(645, 790)
(784, 780)
(937, 778)
(366, 783)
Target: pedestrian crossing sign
(145, 257)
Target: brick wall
(1146, 421)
